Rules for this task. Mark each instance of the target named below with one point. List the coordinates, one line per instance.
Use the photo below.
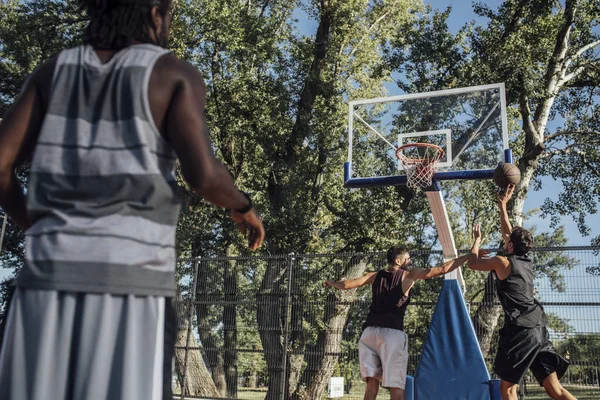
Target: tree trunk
(269, 319)
(230, 325)
(297, 340)
(198, 381)
(323, 358)
(295, 364)
(485, 320)
(214, 358)
(252, 380)
(313, 85)
(269, 304)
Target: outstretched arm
(449, 266)
(347, 284)
(416, 274)
(505, 225)
(477, 259)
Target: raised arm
(505, 225)
(478, 260)
(420, 273)
(366, 279)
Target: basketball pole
(3, 216)
(444, 230)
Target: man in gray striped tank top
(104, 124)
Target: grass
(581, 393)
(358, 389)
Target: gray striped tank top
(102, 194)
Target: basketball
(507, 174)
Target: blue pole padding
(451, 366)
(409, 389)
(495, 389)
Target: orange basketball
(507, 174)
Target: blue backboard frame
(351, 181)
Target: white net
(419, 161)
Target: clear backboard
(469, 124)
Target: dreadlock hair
(116, 24)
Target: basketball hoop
(419, 160)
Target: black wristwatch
(248, 207)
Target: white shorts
(383, 355)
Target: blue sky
(460, 15)
(550, 189)
(581, 287)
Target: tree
(546, 52)
(22, 48)
(276, 110)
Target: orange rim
(409, 160)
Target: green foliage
(547, 55)
(276, 106)
(585, 349)
(30, 33)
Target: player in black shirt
(524, 342)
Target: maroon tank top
(389, 302)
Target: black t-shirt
(389, 302)
(516, 295)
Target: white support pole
(4, 217)
(442, 224)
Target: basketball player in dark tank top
(383, 345)
(523, 340)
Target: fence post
(189, 332)
(286, 328)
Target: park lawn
(533, 393)
(581, 393)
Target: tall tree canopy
(277, 112)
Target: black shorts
(522, 348)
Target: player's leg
(394, 360)
(555, 390)
(517, 348)
(121, 348)
(372, 389)
(171, 328)
(509, 390)
(397, 394)
(370, 363)
(36, 350)
(548, 367)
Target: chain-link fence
(267, 328)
